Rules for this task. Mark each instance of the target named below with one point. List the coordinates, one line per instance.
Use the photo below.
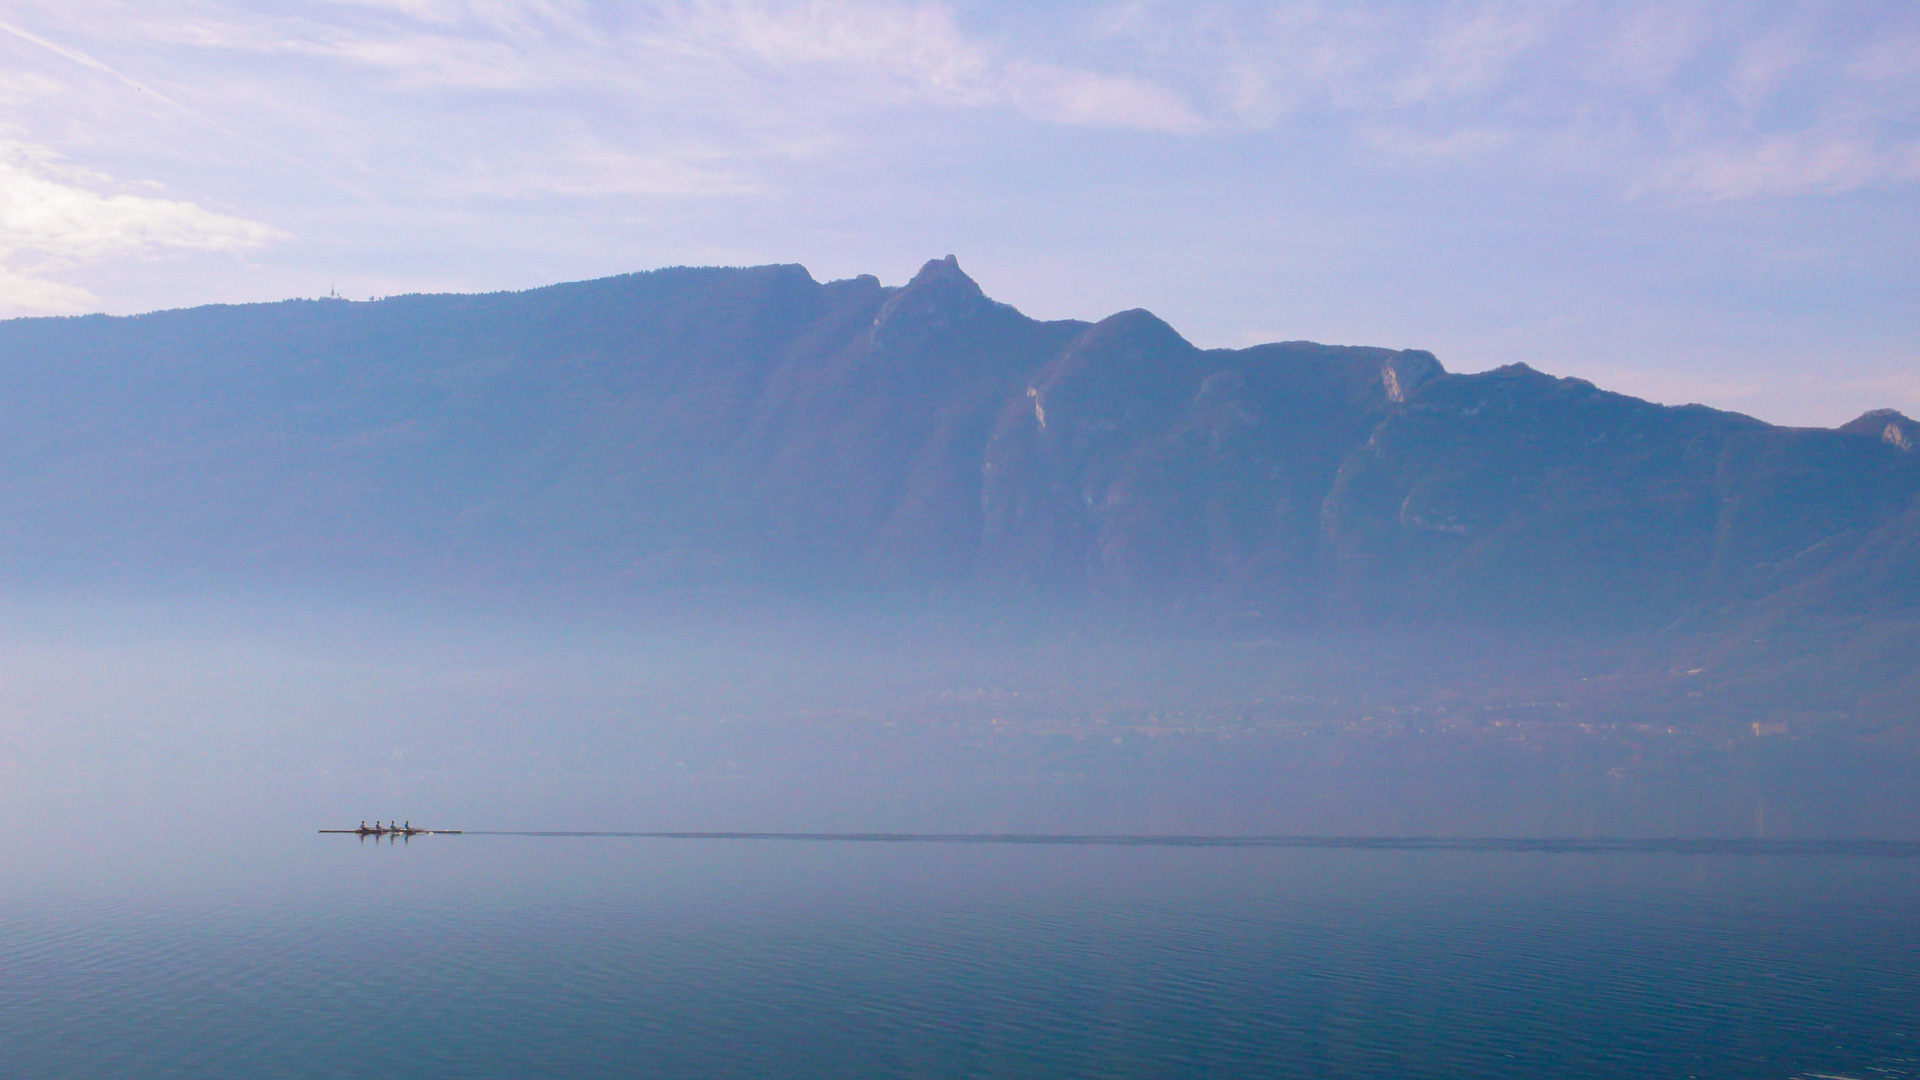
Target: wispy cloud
(821, 54)
(1683, 99)
(1686, 99)
(54, 216)
(538, 99)
(901, 52)
(1818, 162)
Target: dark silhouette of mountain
(1887, 425)
(752, 432)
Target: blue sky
(1691, 202)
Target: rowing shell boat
(409, 831)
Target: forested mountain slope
(752, 432)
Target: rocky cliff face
(1889, 426)
(748, 431)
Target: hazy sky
(1693, 202)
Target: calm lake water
(514, 956)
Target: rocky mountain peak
(1135, 325)
(945, 273)
(1889, 426)
(939, 297)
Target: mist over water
(295, 715)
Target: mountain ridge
(752, 430)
